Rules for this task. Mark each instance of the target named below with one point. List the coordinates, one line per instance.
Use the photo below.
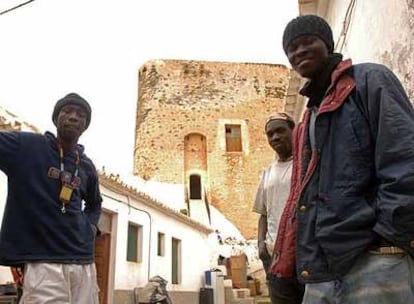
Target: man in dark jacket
(350, 212)
(52, 209)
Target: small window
(176, 261)
(161, 244)
(233, 138)
(195, 186)
(134, 243)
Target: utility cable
(345, 27)
(15, 7)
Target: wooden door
(102, 258)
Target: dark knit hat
(308, 25)
(75, 99)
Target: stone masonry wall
(178, 98)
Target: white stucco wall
(380, 31)
(195, 250)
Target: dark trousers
(283, 290)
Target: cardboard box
(237, 269)
(252, 287)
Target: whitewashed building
(143, 238)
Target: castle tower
(201, 124)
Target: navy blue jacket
(33, 227)
(356, 182)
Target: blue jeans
(374, 279)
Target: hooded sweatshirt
(34, 229)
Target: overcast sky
(95, 47)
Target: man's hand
(263, 253)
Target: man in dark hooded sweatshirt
(348, 226)
(52, 209)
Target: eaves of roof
(9, 121)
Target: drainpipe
(150, 226)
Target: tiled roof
(9, 121)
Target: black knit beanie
(308, 25)
(75, 99)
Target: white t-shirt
(271, 197)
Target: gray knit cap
(72, 98)
(308, 25)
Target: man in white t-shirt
(270, 201)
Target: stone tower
(201, 124)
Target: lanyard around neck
(69, 182)
(62, 165)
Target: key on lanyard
(65, 195)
